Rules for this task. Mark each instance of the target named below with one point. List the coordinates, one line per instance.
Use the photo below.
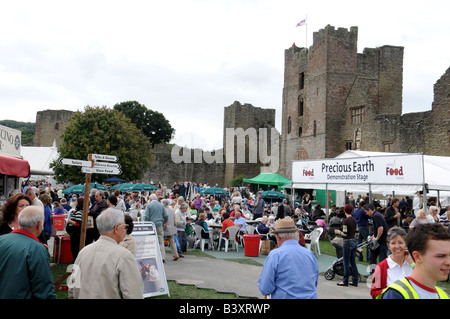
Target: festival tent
(376, 172)
(269, 179)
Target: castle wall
(165, 170)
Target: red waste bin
(66, 252)
(251, 245)
(59, 221)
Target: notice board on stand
(149, 259)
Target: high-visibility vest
(404, 287)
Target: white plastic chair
(250, 229)
(198, 237)
(231, 231)
(314, 236)
(134, 213)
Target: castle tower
(248, 119)
(50, 124)
(316, 84)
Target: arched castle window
(56, 126)
(300, 131)
(289, 125)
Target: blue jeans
(349, 252)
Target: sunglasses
(399, 232)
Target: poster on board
(149, 260)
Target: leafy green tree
(154, 124)
(27, 129)
(100, 130)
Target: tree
(100, 130)
(154, 125)
(27, 129)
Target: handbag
(265, 247)
(177, 241)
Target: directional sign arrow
(106, 165)
(99, 170)
(109, 158)
(69, 161)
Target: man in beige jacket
(103, 269)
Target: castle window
(289, 125)
(357, 115)
(314, 128)
(300, 107)
(348, 145)
(56, 126)
(301, 81)
(300, 131)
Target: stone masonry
(335, 99)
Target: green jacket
(24, 267)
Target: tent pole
(424, 188)
(425, 200)
(327, 202)
(293, 195)
(438, 204)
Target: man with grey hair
(156, 213)
(291, 271)
(31, 192)
(25, 262)
(170, 229)
(104, 269)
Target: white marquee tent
(40, 159)
(423, 170)
(376, 172)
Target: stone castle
(334, 99)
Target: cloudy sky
(190, 58)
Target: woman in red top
(396, 266)
(227, 222)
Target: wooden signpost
(89, 167)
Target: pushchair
(337, 267)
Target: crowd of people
(176, 210)
(394, 232)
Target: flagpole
(306, 34)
